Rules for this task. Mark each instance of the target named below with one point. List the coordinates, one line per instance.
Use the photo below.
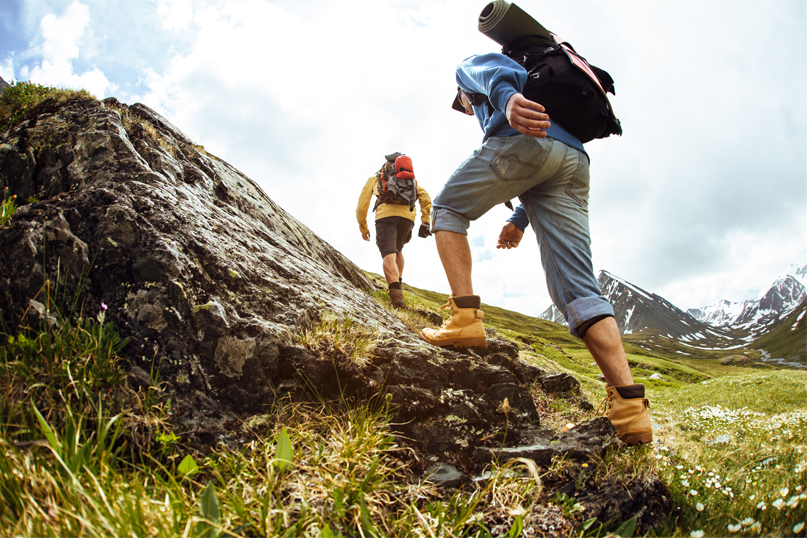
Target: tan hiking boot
(463, 329)
(397, 298)
(626, 408)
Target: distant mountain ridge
(637, 310)
(760, 315)
(723, 325)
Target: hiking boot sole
(636, 438)
(457, 342)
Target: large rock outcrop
(213, 281)
(207, 277)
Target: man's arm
(527, 117)
(501, 79)
(513, 230)
(510, 236)
(363, 206)
(425, 202)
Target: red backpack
(396, 182)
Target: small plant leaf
(187, 467)
(584, 526)
(518, 526)
(47, 431)
(366, 522)
(283, 452)
(627, 528)
(209, 508)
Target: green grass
(789, 340)
(762, 410)
(7, 207)
(83, 454)
(18, 99)
(734, 453)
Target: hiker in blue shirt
(525, 155)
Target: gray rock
(204, 273)
(581, 443)
(719, 440)
(656, 376)
(209, 278)
(560, 382)
(445, 475)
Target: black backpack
(572, 91)
(396, 182)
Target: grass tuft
(18, 99)
(343, 333)
(7, 207)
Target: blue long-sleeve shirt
(519, 218)
(498, 77)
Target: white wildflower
(793, 501)
(761, 505)
(696, 534)
(693, 492)
(783, 492)
(778, 503)
(756, 527)
(699, 507)
(685, 483)
(747, 521)
(798, 528)
(734, 528)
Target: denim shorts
(551, 180)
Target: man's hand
(527, 117)
(510, 236)
(366, 236)
(424, 231)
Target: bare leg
(399, 262)
(455, 254)
(603, 341)
(391, 268)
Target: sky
(703, 198)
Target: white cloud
(62, 38)
(175, 15)
(700, 200)
(7, 69)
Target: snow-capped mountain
(759, 316)
(638, 310)
(723, 325)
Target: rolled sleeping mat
(503, 22)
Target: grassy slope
(789, 340)
(647, 354)
(756, 480)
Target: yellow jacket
(390, 210)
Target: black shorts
(392, 233)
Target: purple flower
(103, 306)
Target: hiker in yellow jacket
(394, 219)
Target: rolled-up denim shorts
(551, 180)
